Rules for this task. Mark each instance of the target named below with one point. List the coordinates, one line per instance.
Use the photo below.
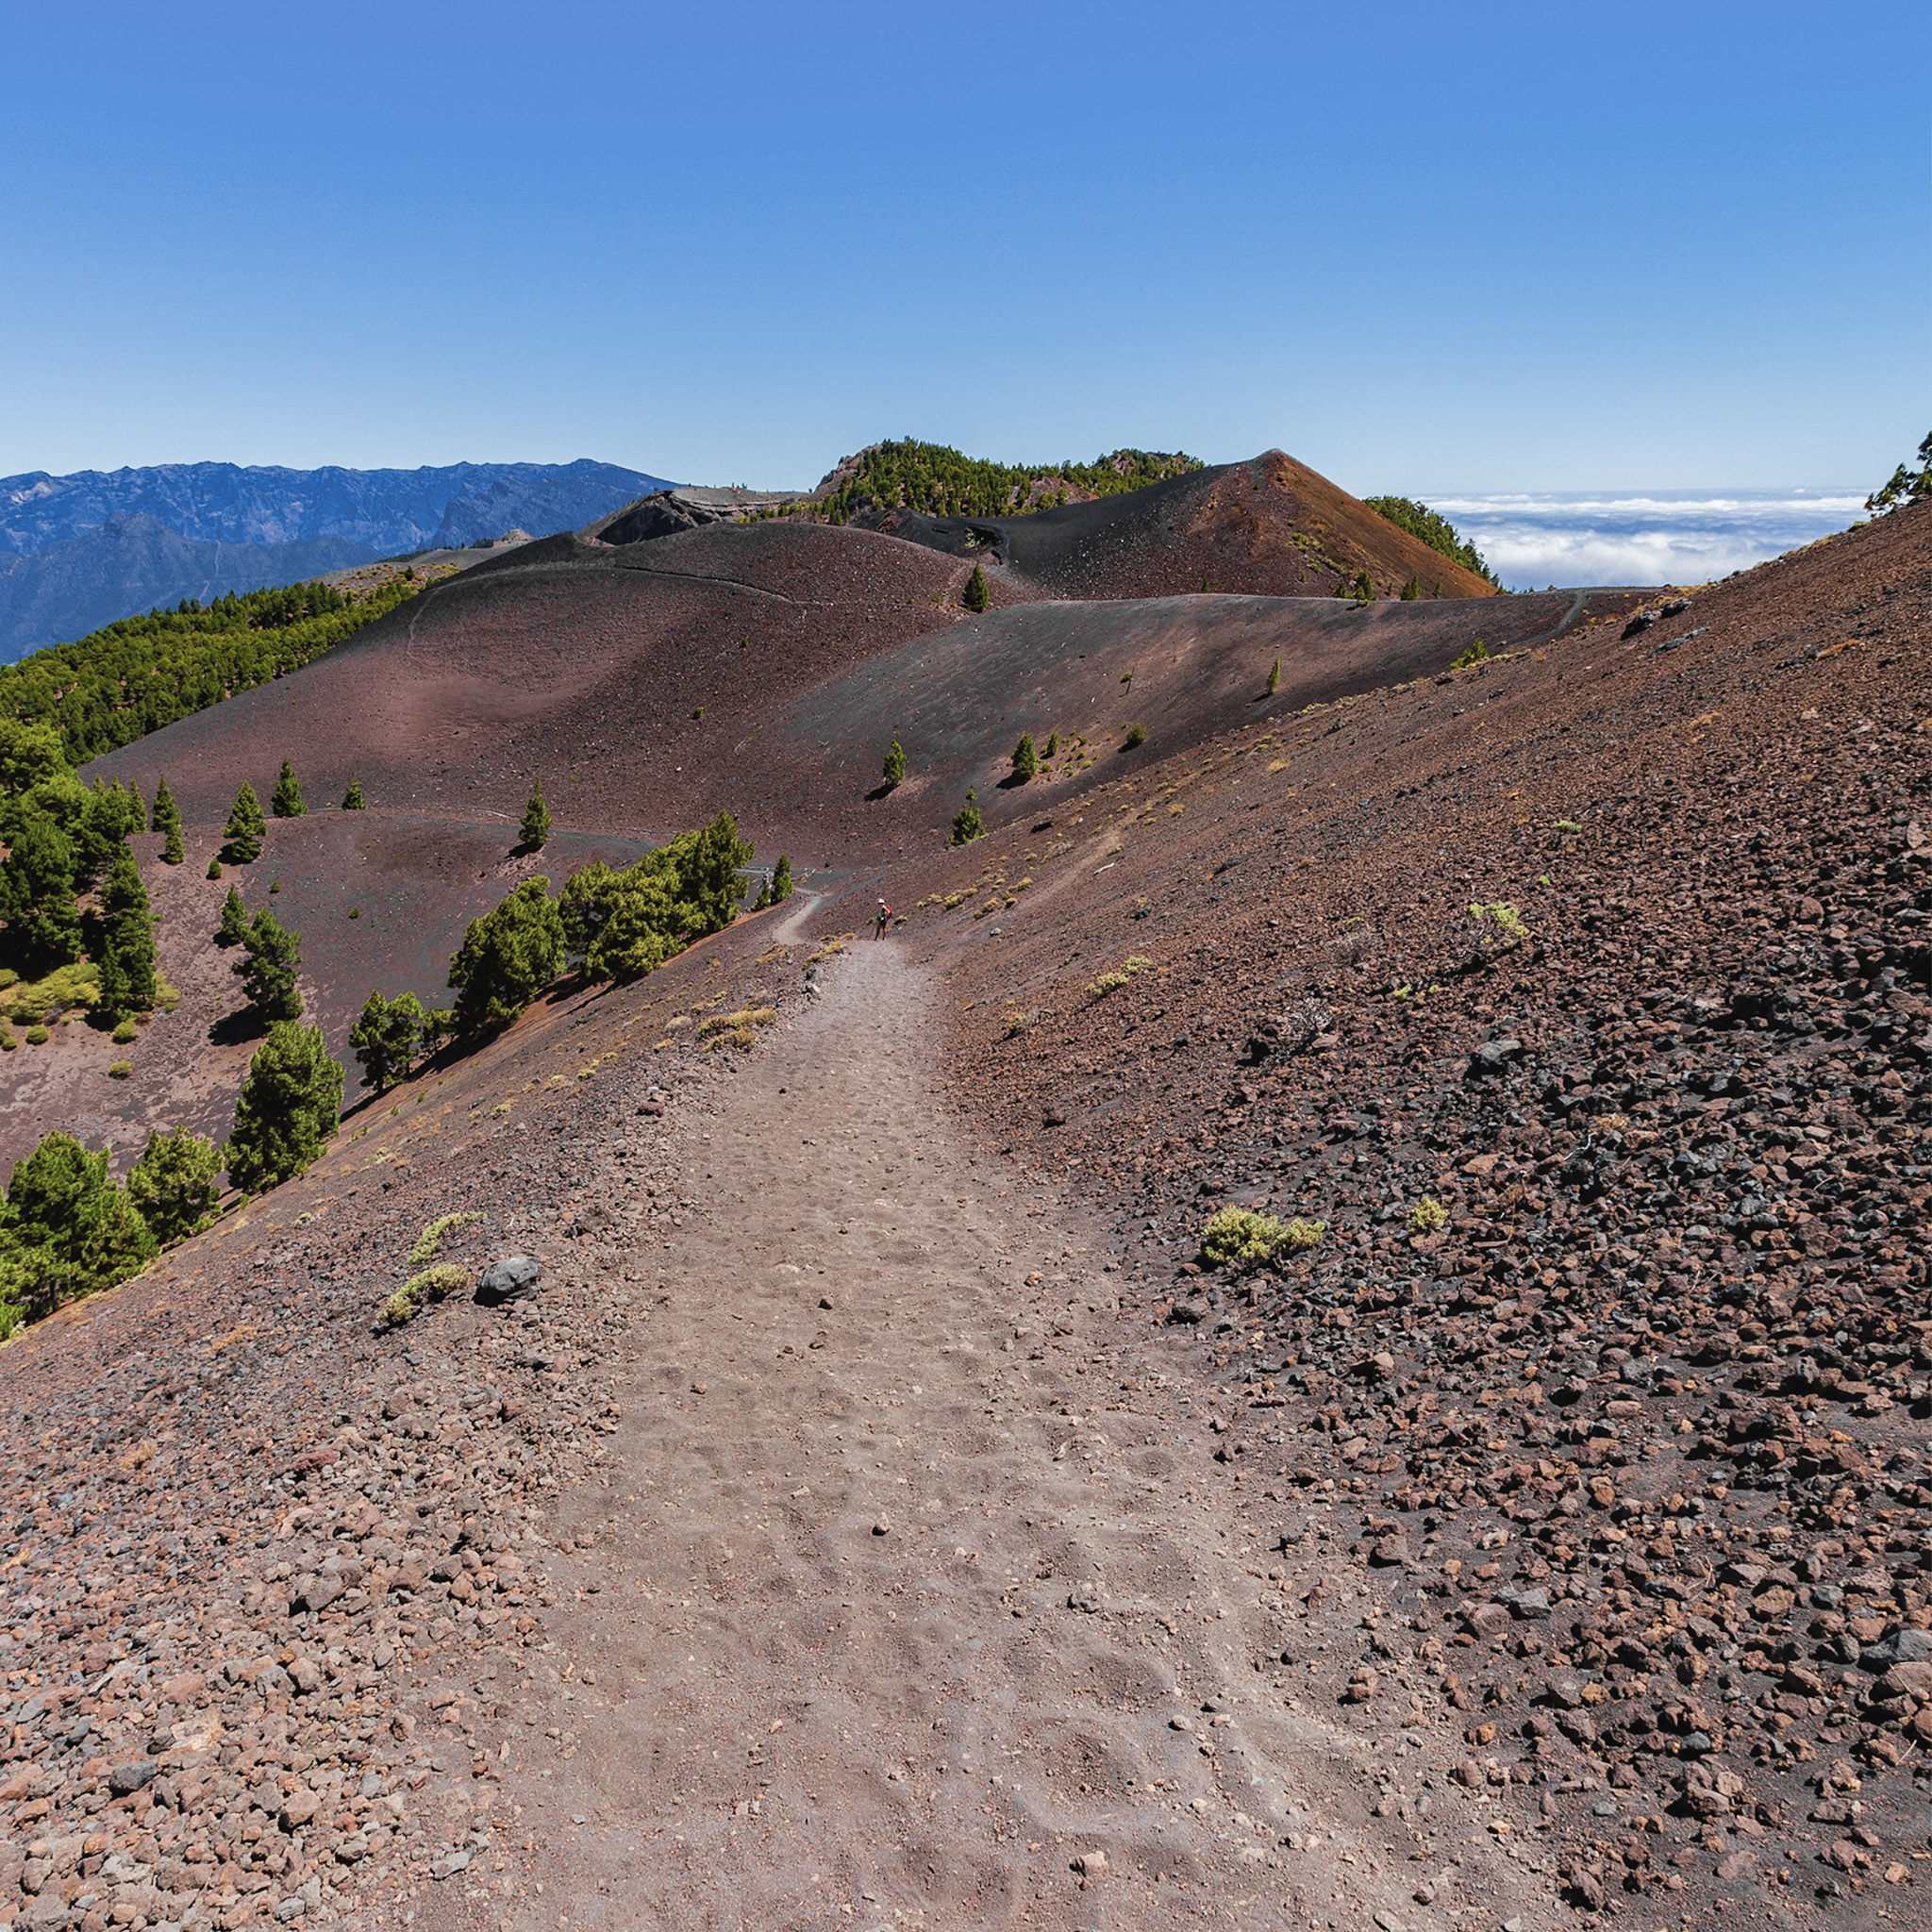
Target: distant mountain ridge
(81, 551)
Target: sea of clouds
(1651, 537)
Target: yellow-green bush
(432, 1285)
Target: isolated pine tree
(271, 958)
(287, 801)
(781, 879)
(287, 1107)
(353, 799)
(977, 593)
(243, 835)
(1025, 763)
(234, 922)
(535, 830)
(967, 823)
(1274, 678)
(387, 1037)
(165, 818)
(895, 773)
(1052, 747)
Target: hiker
(884, 920)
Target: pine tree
(271, 958)
(173, 1184)
(1025, 762)
(895, 773)
(1053, 745)
(166, 819)
(233, 928)
(781, 879)
(353, 799)
(129, 944)
(1274, 678)
(535, 830)
(287, 1107)
(243, 833)
(387, 1037)
(1412, 589)
(286, 802)
(1364, 591)
(977, 593)
(967, 823)
(507, 957)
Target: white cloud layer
(1578, 539)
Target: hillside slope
(1587, 1517)
(1270, 526)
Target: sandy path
(906, 1588)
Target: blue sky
(1428, 249)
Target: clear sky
(1487, 247)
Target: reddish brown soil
(1611, 1494)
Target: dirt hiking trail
(906, 1596)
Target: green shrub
(1245, 1238)
(1112, 982)
(120, 1070)
(1136, 737)
(977, 593)
(174, 1183)
(127, 1033)
(1478, 653)
(1274, 678)
(1364, 589)
(37, 1035)
(1051, 749)
(894, 772)
(431, 1237)
(289, 1106)
(215, 868)
(1427, 1215)
(432, 1285)
(967, 823)
(1026, 762)
(353, 799)
(1509, 923)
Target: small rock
(124, 1778)
(1906, 1645)
(1091, 1864)
(1388, 1921)
(882, 1527)
(450, 1864)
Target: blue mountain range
(77, 551)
